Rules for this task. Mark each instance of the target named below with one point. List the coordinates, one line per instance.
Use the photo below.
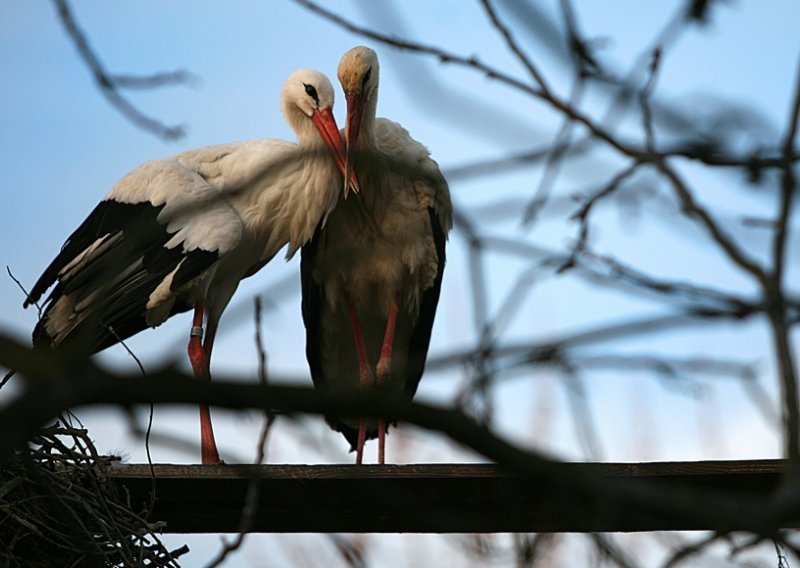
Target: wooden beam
(440, 498)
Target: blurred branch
(693, 209)
(562, 138)
(560, 147)
(609, 550)
(109, 84)
(531, 352)
(788, 187)
(582, 215)
(775, 295)
(505, 32)
(669, 367)
(54, 383)
(701, 296)
(476, 399)
(689, 550)
(162, 79)
(442, 55)
(558, 104)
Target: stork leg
(200, 357)
(365, 376)
(384, 369)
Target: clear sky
(63, 147)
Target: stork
(371, 275)
(180, 233)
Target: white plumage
(181, 232)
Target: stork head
(308, 94)
(358, 74)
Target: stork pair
(180, 233)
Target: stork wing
(312, 307)
(160, 229)
(421, 338)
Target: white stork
(180, 233)
(372, 274)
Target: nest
(58, 508)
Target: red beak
(355, 110)
(326, 124)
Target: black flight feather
(118, 281)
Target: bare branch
(582, 215)
(80, 383)
(521, 56)
(163, 79)
(699, 213)
(109, 84)
(773, 291)
(560, 147)
(690, 550)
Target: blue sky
(64, 147)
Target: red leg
(384, 369)
(365, 377)
(362, 438)
(381, 441)
(200, 357)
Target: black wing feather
(312, 306)
(119, 281)
(421, 338)
(107, 217)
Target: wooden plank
(441, 498)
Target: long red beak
(355, 110)
(326, 124)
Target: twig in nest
(60, 510)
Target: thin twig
(162, 79)
(515, 48)
(703, 216)
(23, 289)
(690, 550)
(582, 215)
(559, 151)
(608, 549)
(644, 101)
(150, 417)
(109, 86)
(60, 510)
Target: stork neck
(366, 136)
(306, 133)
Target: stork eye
(311, 92)
(367, 75)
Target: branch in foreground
(753, 163)
(53, 385)
(776, 295)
